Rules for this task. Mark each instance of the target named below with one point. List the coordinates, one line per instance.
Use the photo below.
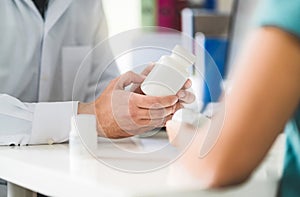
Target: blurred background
(125, 15)
(205, 21)
(122, 15)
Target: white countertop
(49, 170)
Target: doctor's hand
(121, 113)
(185, 96)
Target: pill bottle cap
(177, 63)
(184, 54)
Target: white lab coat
(39, 61)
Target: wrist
(88, 108)
(85, 108)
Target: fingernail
(181, 94)
(175, 99)
(189, 83)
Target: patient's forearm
(263, 98)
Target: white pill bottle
(83, 136)
(169, 74)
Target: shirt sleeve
(280, 13)
(34, 123)
(51, 122)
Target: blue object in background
(210, 4)
(214, 68)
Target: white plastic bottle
(169, 73)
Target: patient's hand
(122, 113)
(189, 140)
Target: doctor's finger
(137, 86)
(129, 78)
(153, 102)
(178, 106)
(186, 96)
(151, 123)
(187, 84)
(157, 113)
(155, 123)
(148, 69)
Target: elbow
(220, 177)
(220, 182)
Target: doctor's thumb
(129, 78)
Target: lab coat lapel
(55, 10)
(31, 5)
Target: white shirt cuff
(51, 122)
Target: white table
(49, 170)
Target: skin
(122, 113)
(264, 95)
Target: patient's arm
(264, 95)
